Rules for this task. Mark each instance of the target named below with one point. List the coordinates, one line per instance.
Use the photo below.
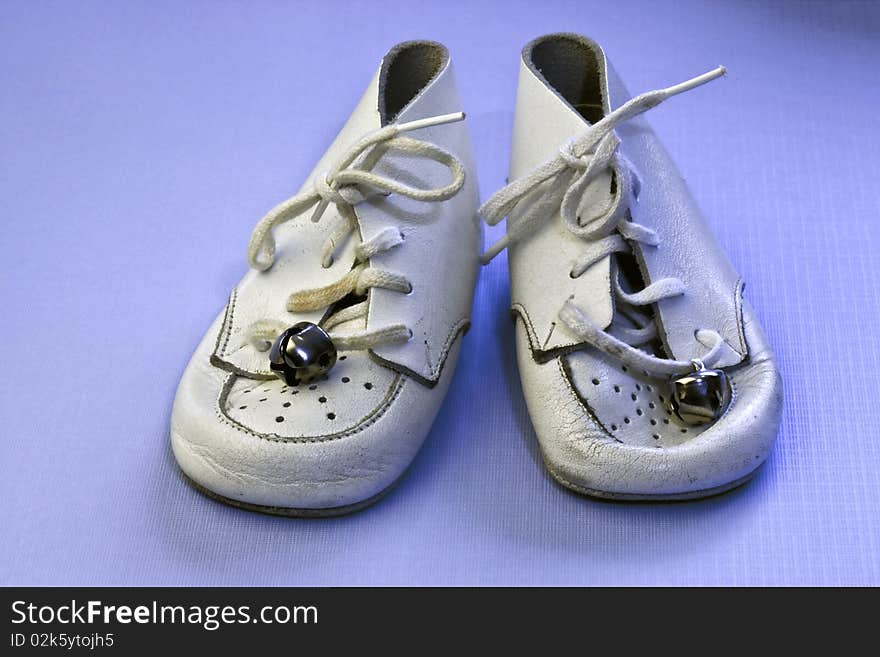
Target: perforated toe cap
(355, 392)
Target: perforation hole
(614, 427)
(310, 413)
(279, 419)
(626, 420)
(596, 382)
(616, 388)
(634, 396)
(639, 412)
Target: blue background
(140, 142)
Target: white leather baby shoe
(645, 372)
(313, 390)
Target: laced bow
(561, 184)
(347, 183)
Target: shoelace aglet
(494, 250)
(319, 210)
(431, 121)
(323, 203)
(650, 99)
(695, 82)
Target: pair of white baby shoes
(645, 372)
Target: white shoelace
(345, 185)
(564, 180)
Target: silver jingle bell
(701, 396)
(302, 353)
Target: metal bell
(302, 353)
(702, 396)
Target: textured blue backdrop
(139, 142)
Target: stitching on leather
(459, 328)
(549, 335)
(233, 300)
(226, 331)
(734, 395)
(217, 358)
(225, 327)
(219, 363)
(447, 345)
(738, 306)
(369, 419)
(540, 355)
(520, 310)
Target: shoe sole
(332, 512)
(643, 497)
(291, 512)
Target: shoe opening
(572, 66)
(407, 69)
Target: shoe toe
(610, 432)
(327, 445)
